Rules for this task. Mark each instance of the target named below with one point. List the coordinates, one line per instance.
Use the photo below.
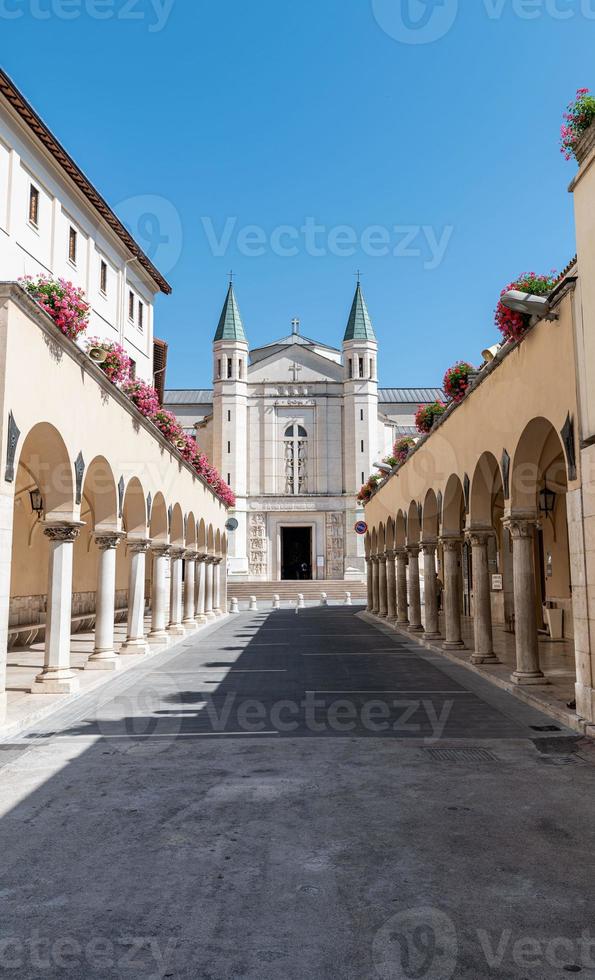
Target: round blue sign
(361, 527)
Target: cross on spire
(295, 325)
(358, 276)
(231, 277)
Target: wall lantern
(36, 501)
(547, 500)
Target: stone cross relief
(294, 371)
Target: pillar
(527, 670)
(391, 585)
(223, 574)
(375, 586)
(370, 584)
(483, 652)
(415, 625)
(57, 676)
(136, 641)
(175, 627)
(201, 576)
(452, 597)
(430, 590)
(104, 656)
(209, 569)
(402, 600)
(382, 587)
(217, 587)
(159, 632)
(189, 589)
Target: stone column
(209, 569)
(430, 590)
(104, 656)
(369, 581)
(159, 632)
(522, 532)
(375, 586)
(452, 597)
(201, 576)
(482, 598)
(223, 574)
(391, 585)
(382, 587)
(217, 587)
(175, 627)
(415, 625)
(189, 589)
(57, 677)
(402, 601)
(136, 641)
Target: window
(361, 367)
(218, 367)
(350, 367)
(372, 371)
(363, 477)
(240, 368)
(362, 445)
(229, 415)
(228, 446)
(72, 243)
(361, 415)
(296, 459)
(141, 315)
(103, 277)
(130, 305)
(229, 479)
(229, 367)
(33, 205)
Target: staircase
(290, 589)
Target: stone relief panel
(257, 553)
(335, 545)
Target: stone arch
(430, 519)
(158, 528)
(453, 508)
(381, 539)
(487, 492)
(401, 530)
(368, 544)
(134, 510)
(539, 458)
(218, 543)
(374, 542)
(210, 540)
(46, 466)
(191, 532)
(99, 506)
(413, 524)
(202, 536)
(390, 534)
(176, 530)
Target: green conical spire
(230, 323)
(359, 325)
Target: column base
(585, 702)
(201, 620)
(139, 647)
(176, 629)
(189, 625)
(62, 681)
(217, 613)
(415, 629)
(210, 616)
(453, 645)
(158, 636)
(402, 624)
(433, 636)
(103, 660)
(525, 679)
(479, 660)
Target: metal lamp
(547, 500)
(36, 501)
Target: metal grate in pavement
(467, 754)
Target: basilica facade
(296, 427)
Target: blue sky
(195, 118)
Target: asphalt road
(297, 796)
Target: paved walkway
(296, 796)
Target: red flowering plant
(143, 396)
(368, 488)
(456, 380)
(62, 300)
(577, 119)
(513, 325)
(427, 415)
(402, 448)
(116, 364)
(168, 425)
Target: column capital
(413, 550)
(176, 553)
(382, 559)
(201, 557)
(479, 536)
(392, 553)
(160, 549)
(108, 540)
(138, 546)
(429, 546)
(521, 525)
(62, 530)
(451, 542)
(401, 552)
(191, 555)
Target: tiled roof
(189, 396)
(409, 396)
(230, 323)
(359, 325)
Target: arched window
(296, 459)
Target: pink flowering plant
(402, 448)
(62, 300)
(427, 415)
(117, 364)
(168, 425)
(143, 396)
(577, 119)
(368, 488)
(456, 380)
(513, 325)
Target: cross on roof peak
(295, 325)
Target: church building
(296, 427)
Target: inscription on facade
(335, 545)
(258, 545)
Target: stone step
(290, 589)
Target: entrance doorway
(296, 552)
